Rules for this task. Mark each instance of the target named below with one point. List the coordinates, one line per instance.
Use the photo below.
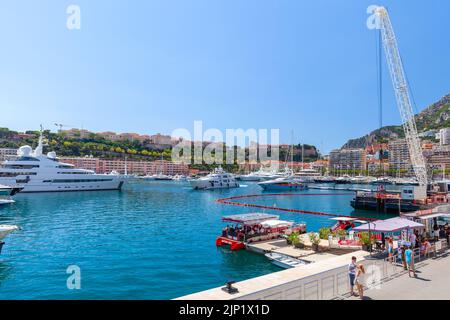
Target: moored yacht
(307, 175)
(179, 177)
(253, 176)
(324, 179)
(218, 179)
(161, 177)
(283, 184)
(35, 172)
(6, 193)
(5, 230)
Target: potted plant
(324, 233)
(298, 243)
(340, 234)
(291, 238)
(315, 240)
(366, 241)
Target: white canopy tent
(390, 225)
(276, 223)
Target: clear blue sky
(156, 65)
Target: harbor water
(152, 240)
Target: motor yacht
(218, 179)
(283, 184)
(6, 193)
(179, 177)
(5, 230)
(33, 171)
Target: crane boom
(402, 95)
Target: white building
(444, 136)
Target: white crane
(402, 94)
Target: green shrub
(324, 233)
(314, 238)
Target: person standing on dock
(413, 239)
(352, 268)
(390, 249)
(409, 256)
(361, 281)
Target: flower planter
(299, 245)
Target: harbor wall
(317, 281)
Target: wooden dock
(307, 254)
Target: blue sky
(154, 66)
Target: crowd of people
(242, 233)
(405, 253)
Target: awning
(250, 218)
(343, 219)
(389, 225)
(276, 223)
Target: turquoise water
(152, 240)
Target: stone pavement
(432, 283)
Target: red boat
(254, 227)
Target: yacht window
(26, 159)
(23, 181)
(62, 166)
(20, 166)
(15, 174)
(73, 172)
(79, 180)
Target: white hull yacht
(34, 172)
(5, 230)
(283, 184)
(219, 179)
(6, 193)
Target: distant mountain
(436, 116)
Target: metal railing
(334, 283)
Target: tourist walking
(413, 239)
(435, 230)
(390, 249)
(360, 280)
(409, 256)
(401, 256)
(352, 269)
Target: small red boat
(254, 227)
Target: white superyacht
(35, 172)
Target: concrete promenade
(257, 288)
(432, 283)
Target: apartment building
(399, 158)
(347, 159)
(132, 166)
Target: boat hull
(234, 244)
(255, 179)
(283, 186)
(41, 186)
(207, 185)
